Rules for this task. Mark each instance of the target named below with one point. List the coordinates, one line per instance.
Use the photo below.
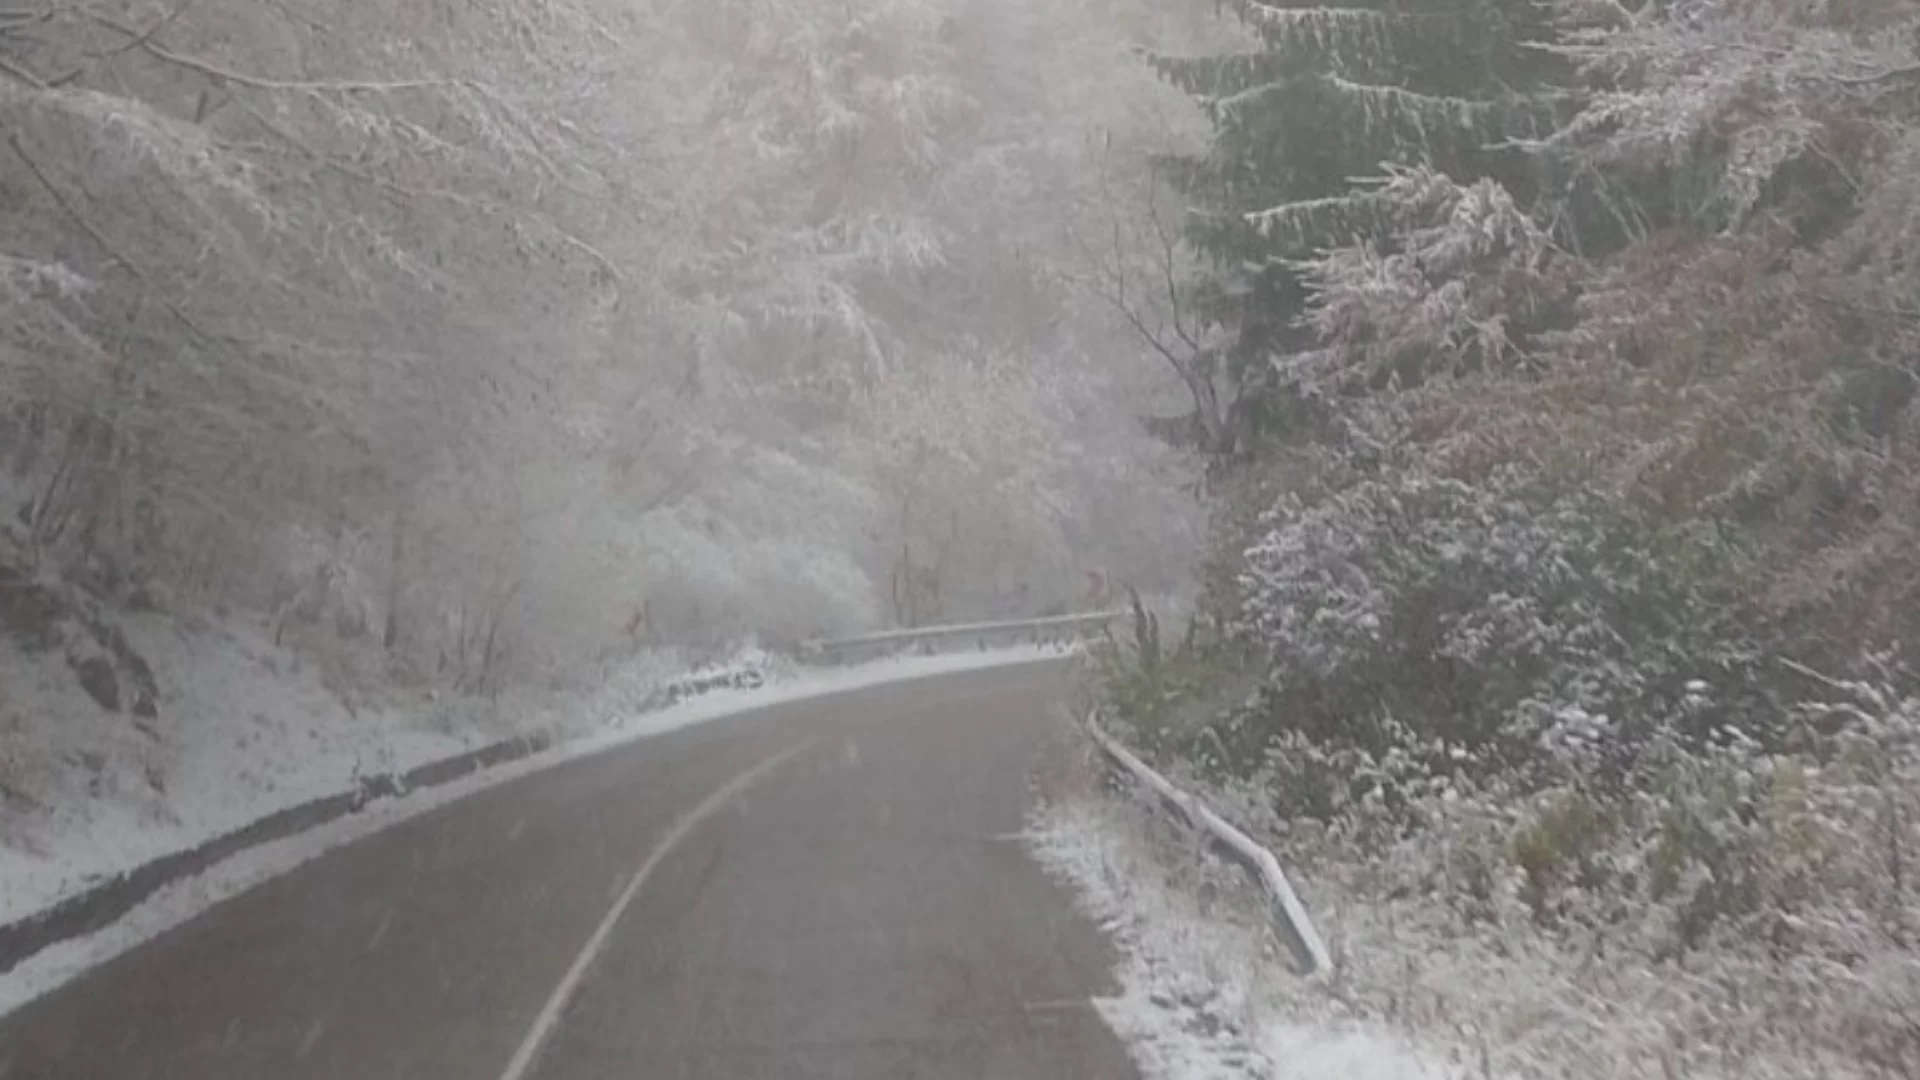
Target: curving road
(826, 889)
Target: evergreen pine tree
(1331, 96)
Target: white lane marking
(544, 1023)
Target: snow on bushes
(1410, 628)
(1738, 912)
(1550, 786)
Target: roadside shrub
(1162, 694)
(1412, 631)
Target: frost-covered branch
(1140, 272)
(1468, 278)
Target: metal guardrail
(1056, 629)
(1289, 916)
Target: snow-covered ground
(125, 827)
(244, 729)
(1205, 989)
(1417, 991)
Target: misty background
(1506, 411)
(485, 344)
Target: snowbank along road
(834, 888)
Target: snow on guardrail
(1054, 629)
(1290, 919)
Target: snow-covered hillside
(242, 728)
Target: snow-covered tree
(461, 327)
(1325, 98)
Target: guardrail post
(1288, 915)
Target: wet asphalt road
(827, 889)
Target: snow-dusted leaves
(1746, 87)
(1476, 629)
(1463, 279)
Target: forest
(379, 382)
(1555, 366)
(488, 332)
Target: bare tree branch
(146, 36)
(566, 238)
(22, 74)
(1169, 248)
(225, 75)
(99, 238)
(14, 18)
(1191, 360)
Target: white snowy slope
(244, 730)
(1206, 993)
(611, 718)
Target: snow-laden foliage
(1748, 914)
(1737, 94)
(1693, 299)
(1590, 465)
(488, 337)
(1742, 912)
(1410, 629)
(978, 424)
(1322, 97)
(1463, 284)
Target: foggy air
(1008, 539)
